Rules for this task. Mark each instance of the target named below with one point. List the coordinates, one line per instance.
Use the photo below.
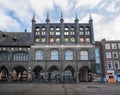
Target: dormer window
(4, 36)
(15, 39)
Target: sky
(16, 15)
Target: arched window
(69, 55)
(20, 56)
(4, 56)
(84, 55)
(39, 55)
(54, 55)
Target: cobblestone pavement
(59, 89)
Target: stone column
(46, 76)
(61, 77)
(77, 76)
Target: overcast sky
(16, 15)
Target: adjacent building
(51, 52)
(110, 58)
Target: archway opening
(54, 74)
(68, 76)
(39, 75)
(84, 74)
(4, 73)
(19, 73)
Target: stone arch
(53, 74)
(38, 72)
(4, 74)
(84, 74)
(19, 72)
(19, 68)
(69, 73)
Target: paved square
(59, 89)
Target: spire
(90, 17)
(61, 19)
(76, 18)
(47, 15)
(47, 19)
(33, 17)
(61, 15)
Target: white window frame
(109, 62)
(108, 54)
(119, 45)
(115, 63)
(114, 45)
(116, 54)
(107, 46)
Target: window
(114, 46)
(72, 33)
(51, 32)
(37, 33)
(97, 55)
(87, 33)
(43, 28)
(43, 33)
(66, 33)
(52, 28)
(20, 56)
(115, 54)
(109, 65)
(37, 29)
(69, 55)
(66, 28)
(81, 33)
(72, 28)
(84, 55)
(4, 56)
(87, 28)
(119, 45)
(57, 33)
(107, 46)
(39, 55)
(108, 54)
(116, 64)
(57, 28)
(54, 55)
(81, 28)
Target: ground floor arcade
(52, 75)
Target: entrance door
(67, 76)
(39, 75)
(84, 74)
(54, 75)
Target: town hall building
(51, 52)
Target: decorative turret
(33, 19)
(33, 24)
(61, 19)
(91, 29)
(47, 19)
(76, 19)
(77, 28)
